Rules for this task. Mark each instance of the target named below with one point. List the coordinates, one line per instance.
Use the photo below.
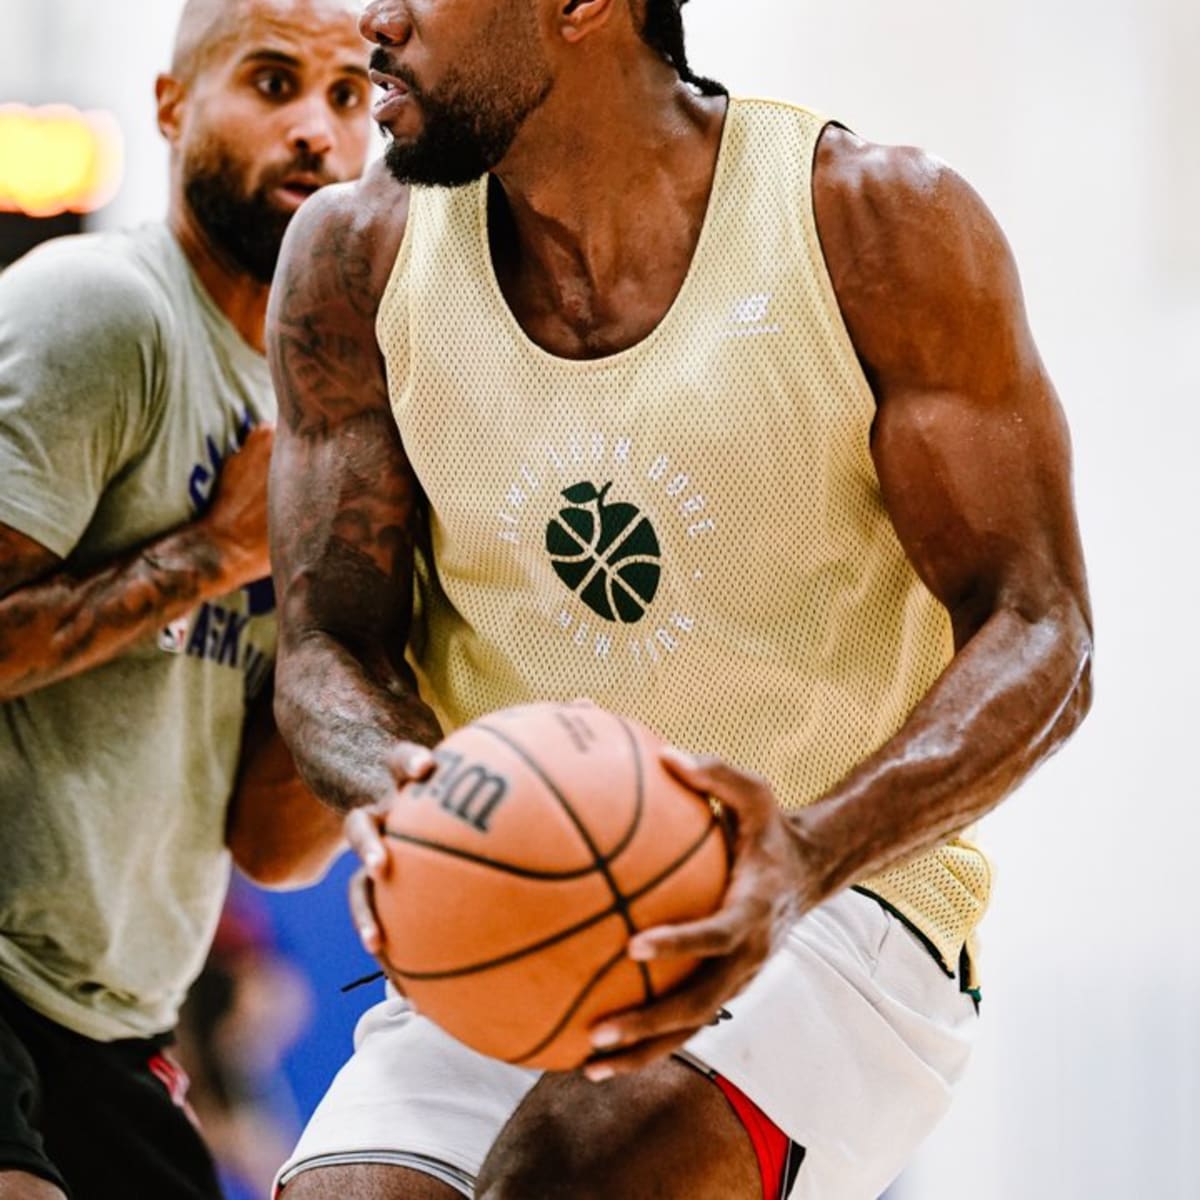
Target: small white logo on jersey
(749, 317)
(173, 638)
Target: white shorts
(850, 1039)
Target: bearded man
(137, 747)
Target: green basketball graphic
(608, 554)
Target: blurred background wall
(1080, 125)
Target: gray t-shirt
(122, 389)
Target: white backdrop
(1080, 124)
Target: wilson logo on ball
(467, 791)
(607, 554)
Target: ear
(579, 18)
(170, 95)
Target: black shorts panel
(21, 1144)
(103, 1120)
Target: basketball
(547, 836)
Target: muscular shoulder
(919, 264)
(349, 235)
(336, 262)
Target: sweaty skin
(345, 564)
(973, 457)
(969, 443)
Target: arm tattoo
(318, 364)
(345, 513)
(345, 694)
(67, 624)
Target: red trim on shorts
(772, 1146)
(175, 1079)
(172, 1076)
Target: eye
(346, 95)
(274, 85)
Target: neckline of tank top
(618, 357)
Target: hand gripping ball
(547, 836)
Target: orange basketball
(547, 836)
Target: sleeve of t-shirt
(80, 365)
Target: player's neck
(599, 184)
(241, 298)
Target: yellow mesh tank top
(689, 531)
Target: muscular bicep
(344, 511)
(345, 506)
(22, 560)
(969, 442)
(979, 492)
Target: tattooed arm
(82, 337)
(22, 560)
(55, 624)
(345, 506)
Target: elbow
(283, 876)
(1077, 639)
(1084, 688)
(1082, 695)
(283, 710)
(275, 870)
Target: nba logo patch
(173, 638)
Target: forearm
(343, 717)
(1011, 697)
(67, 624)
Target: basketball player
(804, 360)
(136, 637)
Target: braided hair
(663, 32)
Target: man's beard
(468, 129)
(246, 227)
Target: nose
(386, 23)
(312, 127)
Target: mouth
(295, 189)
(389, 83)
(394, 97)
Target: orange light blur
(57, 159)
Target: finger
(696, 1004)
(721, 933)
(409, 761)
(747, 794)
(635, 1058)
(363, 832)
(362, 913)
(705, 939)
